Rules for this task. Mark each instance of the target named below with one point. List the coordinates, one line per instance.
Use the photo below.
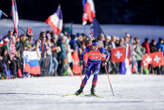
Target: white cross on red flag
(155, 59)
(146, 60)
(118, 54)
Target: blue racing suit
(93, 60)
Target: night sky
(148, 12)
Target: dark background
(149, 12)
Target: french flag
(56, 21)
(4, 41)
(88, 11)
(31, 62)
(15, 16)
(1, 43)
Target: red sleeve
(148, 48)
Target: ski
(87, 95)
(91, 95)
(73, 95)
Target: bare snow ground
(132, 92)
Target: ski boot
(79, 91)
(93, 90)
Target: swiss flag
(157, 58)
(76, 63)
(118, 54)
(146, 60)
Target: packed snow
(132, 92)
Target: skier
(93, 58)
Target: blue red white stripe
(31, 62)
(88, 11)
(4, 41)
(56, 21)
(15, 16)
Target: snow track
(132, 92)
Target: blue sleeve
(86, 50)
(102, 50)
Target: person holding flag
(93, 58)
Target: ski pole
(109, 80)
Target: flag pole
(4, 13)
(109, 82)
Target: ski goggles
(95, 47)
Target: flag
(118, 54)
(4, 40)
(146, 60)
(0, 14)
(95, 29)
(88, 11)
(31, 62)
(76, 63)
(157, 58)
(29, 31)
(56, 21)
(15, 16)
(1, 42)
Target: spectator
(153, 47)
(160, 45)
(43, 50)
(62, 55)
(139, 50)
(146, 45)
(55, 51)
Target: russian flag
(31, 62)
(88, 11)
(56, 21)
(15, 16)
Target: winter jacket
(147, 47)
(139, 50)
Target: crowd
(55, 52)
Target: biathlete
(93, 58)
